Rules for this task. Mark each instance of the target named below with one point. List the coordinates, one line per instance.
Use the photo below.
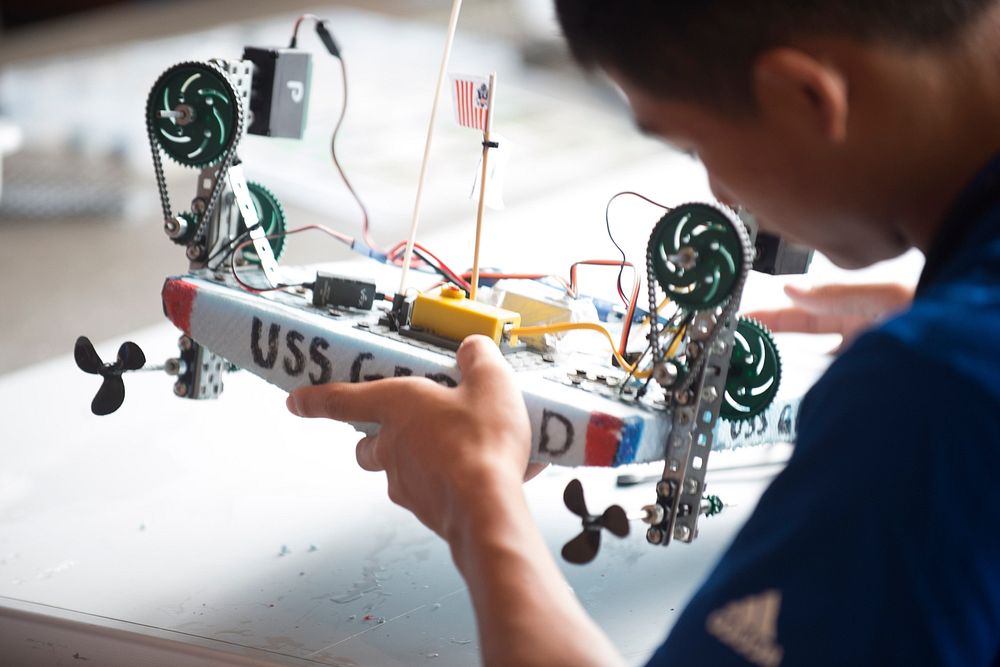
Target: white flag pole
(487, 133)
(456, 8)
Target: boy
(860, 128)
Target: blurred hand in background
(842, 309)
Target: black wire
(635, 367)
(680, 326)
(607, 225)
(231, 247)
(438, 269)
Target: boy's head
(813, 114)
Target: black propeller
(583, 548)
(112, 392)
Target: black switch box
(339, 292)
(279, 94)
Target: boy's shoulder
(917, 375)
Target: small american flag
(472, 100)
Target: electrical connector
(326, 37)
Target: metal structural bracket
(268, 263)
(201, 371)
(691, 439)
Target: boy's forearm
(526, 613)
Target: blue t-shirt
(879, 544)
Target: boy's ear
(792, 86)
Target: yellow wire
(575, 326)
(672, 350)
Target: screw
(703, 325)
(198, 205)
(709, 395)
(653, 514)
(185, 343)
(180, 389)
(666, 374)
(664, 488)
(686, 258)
(175, 367)
(175, 227)
(654, 536)
(691, 486)
(682, 441)
(195, 251)
(682, 533)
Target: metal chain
(161, 180)
(654, 316)
(224, 164)
(731, 306)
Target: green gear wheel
(754, 372)
(271, 214)
(194, 114)
(697, 255)
(713, 506)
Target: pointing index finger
(341, 401)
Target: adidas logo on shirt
(750, 627)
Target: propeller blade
(130, 357)
(86, 356)
(583, 548)
(573, 497)
(615, 520)
(109, 397)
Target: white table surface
(230, 532)
(250, 533)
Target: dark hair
(704, 49)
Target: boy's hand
(836, 309)
(444, 450)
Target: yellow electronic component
(450, 315)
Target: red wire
(599, 262)
(630, 303)
(298, 23)
(519, 276)
(444, 267)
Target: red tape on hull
(178, 301)
(603, 435)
